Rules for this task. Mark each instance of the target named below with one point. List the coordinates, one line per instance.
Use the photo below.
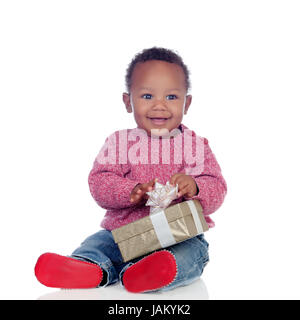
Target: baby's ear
(188, 101)
(126, 100)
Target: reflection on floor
(195, 291)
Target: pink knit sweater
(132, 159)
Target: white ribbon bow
(161, 196)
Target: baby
(161, 149)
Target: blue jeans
(191, 257)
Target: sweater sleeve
(107, 180)
(210, 182)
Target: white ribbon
(162, 229)
(196, 218)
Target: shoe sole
(53, 270)
(151, 273)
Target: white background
(62, 68)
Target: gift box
(165, 226)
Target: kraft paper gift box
(165, 226)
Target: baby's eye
(147, 96)
(171, 97)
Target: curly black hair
(156, 53)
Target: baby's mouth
(158, 121)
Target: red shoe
(153, 272)
(56, 271)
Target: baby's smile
(159, 121)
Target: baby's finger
(172, 180)
(183, 191)
(150, 185)
(135, 197)
(175, 179)
(145, 189)
(152, 182)
(136, 193)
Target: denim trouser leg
(101, 249)
(191, 257)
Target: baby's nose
(159, 104)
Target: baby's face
(158, 96)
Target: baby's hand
(186, 185)
(139, 191)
